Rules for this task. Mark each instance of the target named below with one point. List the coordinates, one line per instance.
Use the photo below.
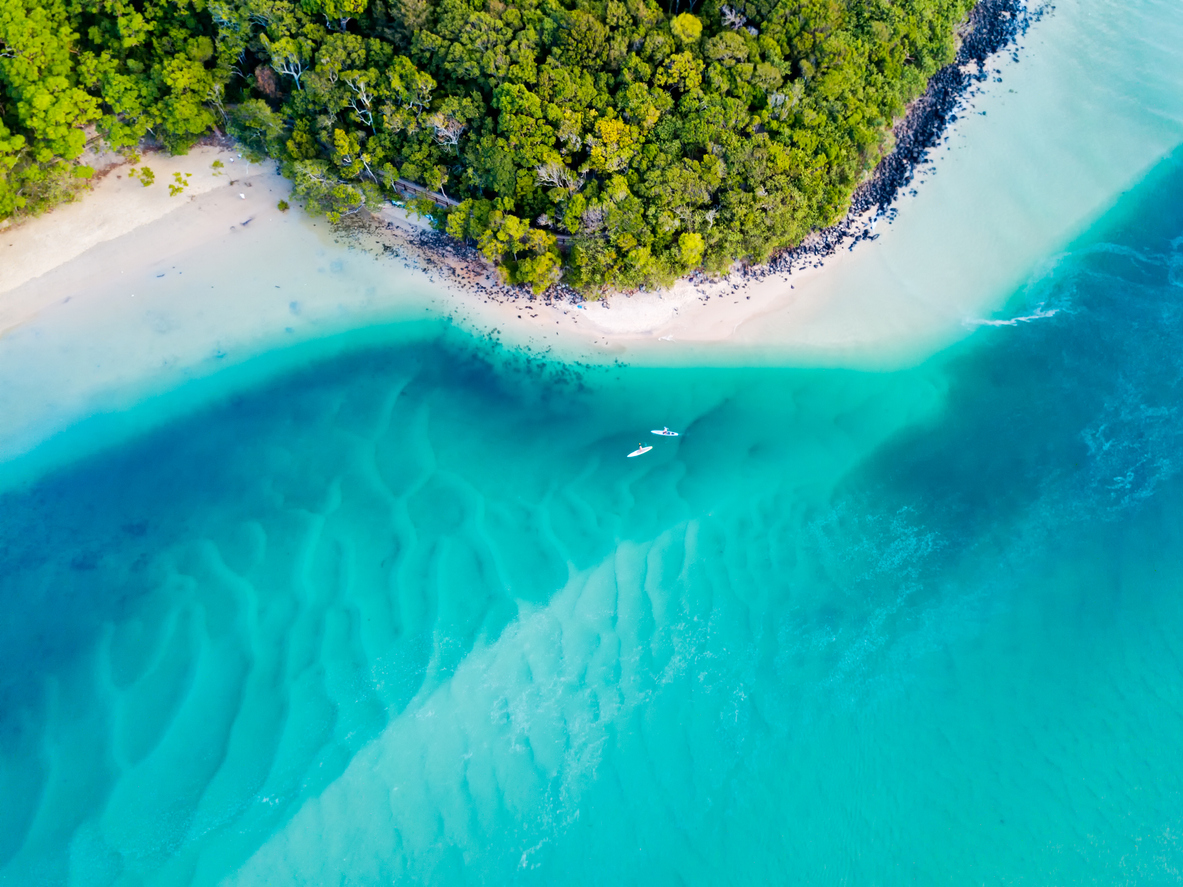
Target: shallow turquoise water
(406, 614)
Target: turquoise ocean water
(407, 615)
(394, 608)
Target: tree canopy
(645, 140)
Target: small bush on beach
(179, 184)
(283, 206)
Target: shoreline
(992, 27)
(198, 283)
(116, 206)
(676, 313)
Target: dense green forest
(645, 140)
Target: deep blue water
(407, 614)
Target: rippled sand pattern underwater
(409, 616)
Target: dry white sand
(122, 230)
(117, 205)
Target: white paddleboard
(665, 432)
(639, 452)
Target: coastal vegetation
(606, 143)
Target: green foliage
(647, 143)
(258, 128)
(686, 27)
(524, 255)
(143, 173)
(179, 183)
(283, 206)
(691, 247)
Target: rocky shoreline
(992, 27)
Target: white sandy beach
(117, 205)
(130, 291)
